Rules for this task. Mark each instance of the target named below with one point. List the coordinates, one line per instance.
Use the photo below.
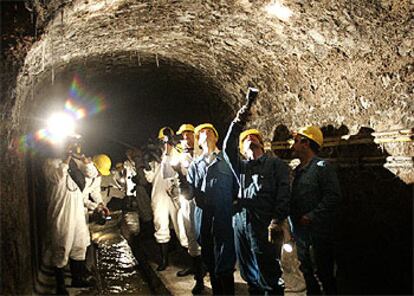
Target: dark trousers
(269, 267)
(316, 254)
(217, 253)
(249, 269)
(258, 259)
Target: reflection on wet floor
(118, 272)
(116, 267)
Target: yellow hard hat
(246, 133)
(102, 163)
(162, 133)
(203, 126)
(313, 133)
(186, 127)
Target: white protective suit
(129, 167)
(142, 198)
(163, 206)
(69, 233)
(92, 191)
(185, 215)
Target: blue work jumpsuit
(316, 194)
(264, 195)
(212, 186)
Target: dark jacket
(316, 193)
(264, 184)
(212, 187)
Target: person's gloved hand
(102, 208)
(275, 232)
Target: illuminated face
(188, 139)
(207, 135)
(299, 145)
(119, 167)
(250, 142)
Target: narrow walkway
(179, 259)
(118, 272)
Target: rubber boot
(198, 275)
(60, 282)
(187, 271)
(227, 283)
(216, 285)
(164, 257)
(254, 289)
(80, 278)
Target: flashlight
(251, 96)
(60, 125)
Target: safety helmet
(203, 126)
(246, 133)
(165, 131)
(311, 132)
(186, 127)
(102, 163)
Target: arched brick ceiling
(330, 62)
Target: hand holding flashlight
(244, 113)
(251, 96)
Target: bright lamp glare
(278, 10)
(287, 247)
(60, 125)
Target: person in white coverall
(164, 203)
(68, 231)
(94, 170)
(176, 166)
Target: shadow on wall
(38, 215)
(374, 226)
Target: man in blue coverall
(264, 198)
(211, 183)
(315, 197)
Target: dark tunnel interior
(125, 106)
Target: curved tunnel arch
(332, 63)
(143, 95)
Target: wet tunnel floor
(116, 269)
(117, 272)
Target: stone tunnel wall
(330, 63)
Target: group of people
(225, 206)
